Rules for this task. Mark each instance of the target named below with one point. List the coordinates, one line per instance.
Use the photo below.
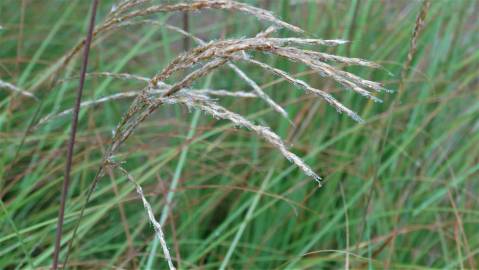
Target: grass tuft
(191, 110)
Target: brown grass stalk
(71, 142)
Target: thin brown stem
(186, 28)
(71, 142)
(18, 58)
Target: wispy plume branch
(219, 112)
(132, 94)
(151, 217)
(302, 84)
(259, 13)
(16, 89)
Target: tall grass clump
(206, 126)
(211, 56)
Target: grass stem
(71, 142)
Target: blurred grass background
(400, 191)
